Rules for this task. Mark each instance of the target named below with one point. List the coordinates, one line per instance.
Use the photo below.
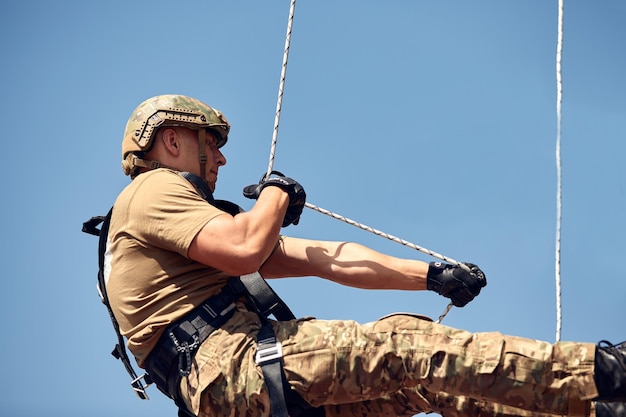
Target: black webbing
(119, 351)
(265, 300)
(200, 185)
(272, 370)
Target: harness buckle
(273, 350)
(139, 387)
(228, 309)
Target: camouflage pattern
(168, 110)
(398, 366)
(409, 402)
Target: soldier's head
(175, 131)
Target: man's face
(215, 158)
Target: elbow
(245, 261)
(244, 268)
(235, 254)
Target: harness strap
(269, 356)
(200, 185)
(265, 300)
(284, 402)
(139, 384)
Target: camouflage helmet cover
(168, 110)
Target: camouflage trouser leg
(398, 366)
(342, 362)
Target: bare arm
(345, 263)
(239, 245)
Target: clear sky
(432, 121)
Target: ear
(171, 141)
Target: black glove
(454, 282)
(297, 196)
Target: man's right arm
(239, 245)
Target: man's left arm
(355, 265)
(345, 263)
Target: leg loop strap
(270, 357)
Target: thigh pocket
(312, 374)
(524, 359)
(489, 353)
(204, 372)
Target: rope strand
(281, 88)
(386, 235)
(559, 99)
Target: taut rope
(559, 99)
(270, 168)
(281, 88)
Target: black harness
(172, 357)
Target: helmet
(167, 110)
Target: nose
(220, 158)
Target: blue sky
(432, 121)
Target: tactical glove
(297, 196)
(454, 282)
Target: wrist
(434, 280)
(280, 183)
(417, 271)
(275, 193)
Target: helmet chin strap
(146, 163)
(202, 152)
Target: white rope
(386, 235)
(559, 99)
(394, 239)
(324, 211)
(281, 88)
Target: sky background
(432, 121)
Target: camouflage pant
(400, 365)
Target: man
(172, 251)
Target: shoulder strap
(139, 384)
(205, 192)
(200, 185)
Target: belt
(170, 359)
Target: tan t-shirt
(151, 282)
